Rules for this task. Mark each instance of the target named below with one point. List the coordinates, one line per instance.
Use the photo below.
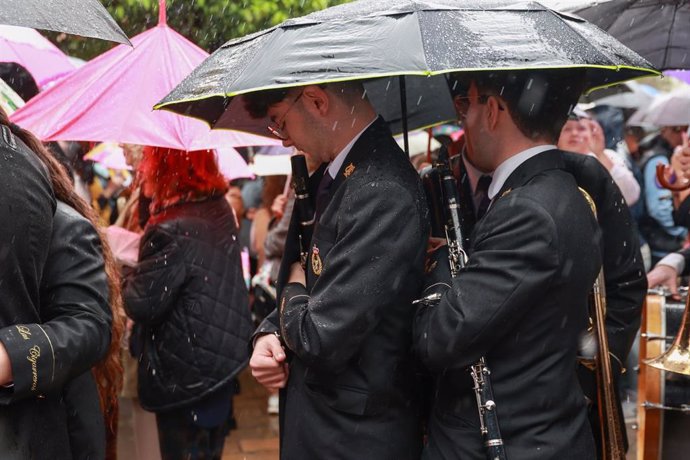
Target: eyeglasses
(678, 129)
(278, 128)
(463, 104)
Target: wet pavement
(256, 436)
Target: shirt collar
(335, 165)
(505, 169)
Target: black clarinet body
(304, 208)
(441, 183)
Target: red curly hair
(172, 176)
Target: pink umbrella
(230, 162)
(111, 97)
(29, 48)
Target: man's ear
(495, 110)
(316, 99)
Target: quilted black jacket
(189, 298)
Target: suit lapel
(362, 150)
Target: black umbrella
(421, 39)
(657, 29)
(87, 18)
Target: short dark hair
(258, 102)
(539, 101)
(19, 79)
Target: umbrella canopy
(110, 98)
(627, 95)
(383, 38)
(36, 53)
(672, 109)
(657, 29)
(87, 18)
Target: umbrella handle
(676, 186)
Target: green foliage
(208, 23)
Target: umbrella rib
(668, 40)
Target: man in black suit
(624, 274)
(625, 280)
(347, 322)
(521, 301)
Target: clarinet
(303, 206)
(457, 258)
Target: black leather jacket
(190, 300)
(50, 335)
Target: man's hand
(297, 274)
(5, 366)
(664, 275)
(597, 144)
(268, 362)
(680, 160)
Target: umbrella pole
(403, 110)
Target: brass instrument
(612, 441)
(677, 357)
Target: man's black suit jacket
(521, 302)
(351, 391)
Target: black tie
(482, 192)
(322, 193)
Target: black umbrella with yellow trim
(400, 47)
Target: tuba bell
(677, 357)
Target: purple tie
(322, 193)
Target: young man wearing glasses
(348, 386)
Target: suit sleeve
(624, 274)
(379, 238)
(152, 289)
(514, 259)
(75, 315)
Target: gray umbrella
(657, 29)
(672, 109)
(421, 39)
(87, 18)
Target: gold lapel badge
(506, 192)
(316, 264)
(349, 170)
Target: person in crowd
(272, 187)
(234, 198)
(524, 289)
(582, 134)
(625, 281)
(189, 301)
(48, 347)
(251, 200)
(346, 322)
(656, 224)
